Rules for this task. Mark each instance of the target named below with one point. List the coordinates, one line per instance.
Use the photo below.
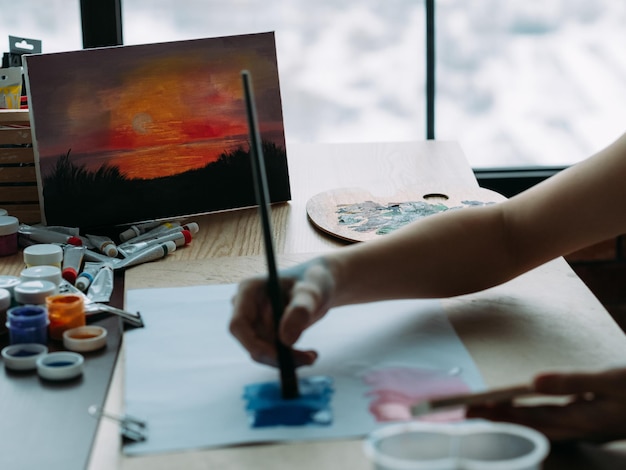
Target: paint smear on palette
(266, 407)
(394, 390)
(371, 216)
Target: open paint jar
(470, 445)
(27, 324)
(65, 311)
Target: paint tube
(72, 260)
(91, 255)
(179, 238)
(155, 232)
(101, 287)
(75, 231)
(42, 235)
(136, 230)
(87, 275)
(103, 244)
(151, 253)
(10, 87)
(191, 227)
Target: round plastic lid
(34, 292)
(62, 365)
(42, 273)
(9, 282)
(193, 227)
(23, 356)
(110, 250)
(70, 274)
(8, 225)
(3, 212)
(42, 254)
(85, 338)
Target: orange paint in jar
(65, 311)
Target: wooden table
(545, 319)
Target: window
(519, 83)
(55, 22)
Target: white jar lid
(9, 282)
(34, 292)
(42, 273)
(43, 254)
(5, 299)
(3, 212)
(8, 225)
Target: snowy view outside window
(524, 82)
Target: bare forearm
(446, 255)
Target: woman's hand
(307, 288)
(596, 413)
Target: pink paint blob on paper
(394, 390)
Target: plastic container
(8, 235)
(65, 311)
(27, 324)
(470, 445)
(23, 356)
(62, 365)
(85, 338)
(44, 254)
(34, 292)
(42, 273)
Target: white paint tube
(41, 235)
(103, 244)
(72, 261)
(151, 253)
(191, 227)
(101, 287)
(153, 232)
(180, 238)
(91, 255)
(87, 275)
(137, 229)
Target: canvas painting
(134, 133)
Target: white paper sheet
(185, 373)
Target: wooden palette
(354, 214)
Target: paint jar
(34, 292)
(27, 324)
(65, 311)
(44, 254)
(8, 235)
(455, 446)
(3, 212)
(5, 304)
(42, 273)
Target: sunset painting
(132, 133)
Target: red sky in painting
(153, 110)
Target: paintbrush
(490, 396)
(288, 378)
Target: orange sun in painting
(164, 114)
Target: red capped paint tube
(180, 238)
(41, 235)
(72, 261)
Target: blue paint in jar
(266, 407)
(27, 324)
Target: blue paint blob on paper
(266, 407)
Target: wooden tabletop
(545, 319)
